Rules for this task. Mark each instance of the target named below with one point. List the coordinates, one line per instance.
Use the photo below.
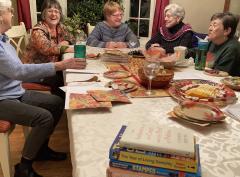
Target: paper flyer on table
(82, 71)
(82, 88)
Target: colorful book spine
(153, 170)
(151, 158)
(117, 172)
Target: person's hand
(64, 43)
(72, 63)
(111, 45)
(121, 45)
(70, 49)
(156, 47)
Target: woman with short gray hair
(174, 32)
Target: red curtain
(24, 14)
(159, 15)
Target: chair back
(18, 37)
(90, 28)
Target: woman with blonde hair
(112, 33)
(29, 108)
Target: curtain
(159, 15)
(24, 14)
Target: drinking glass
(151, 70)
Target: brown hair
(110, 7)
(47, 4)
(229, 20)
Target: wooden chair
(6, 128)
(18, 37)
(90, 28)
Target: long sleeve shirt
(225, 57)
(179, 35)
(13, 71)
(44, 46)
(102, 34)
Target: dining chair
(6, 129)
(18, 37)
(90, 28)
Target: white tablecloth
(93, 131)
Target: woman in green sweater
(224, 49)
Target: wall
(15, 15)
(198, 13)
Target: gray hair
(175, 10)
(5, 4)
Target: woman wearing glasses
(48, 41)
(112, 33)
(29, 108)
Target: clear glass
(151, 70)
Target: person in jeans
(112, 33)
(29, 108)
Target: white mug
(180, 52)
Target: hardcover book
(154, 159)
(162, 139)
(117, 172)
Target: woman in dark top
(174, 33)
(224, 48)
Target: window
(139, 15)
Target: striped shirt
(102, 34)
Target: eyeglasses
(51, 11)
(10, 9)
(117, 15)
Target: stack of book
(144, 150)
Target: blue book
(150, 158)
(114, 162)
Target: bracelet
(63, 49)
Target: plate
(213, 72)
(116, 74)
(202, 111)
(232, 82)
(123, 85)
(202, 91)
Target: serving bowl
(162, 79)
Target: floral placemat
(109, 95)
(83, 101)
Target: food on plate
(203, 91)
(116, 74)
(214, 72)
(232, 82)
(136, 53)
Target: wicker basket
(161, 80)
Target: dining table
(92, 131)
